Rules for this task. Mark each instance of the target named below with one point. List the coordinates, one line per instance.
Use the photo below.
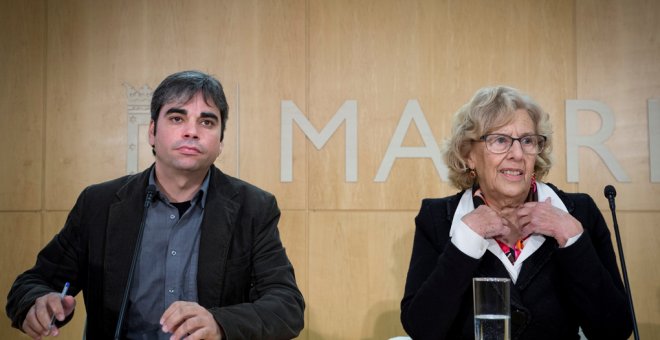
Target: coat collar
(452, 202)
(220, 219)
(124, 217)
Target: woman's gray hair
(489, 109)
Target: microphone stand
(610, 193)
(151, 191)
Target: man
(211, 264)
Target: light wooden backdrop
(65, 64)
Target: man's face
(188, 136)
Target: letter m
(290, 114)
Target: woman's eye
(501, 140)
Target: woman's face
(505, 178)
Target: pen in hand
(62, 295)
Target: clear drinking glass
(492, 313)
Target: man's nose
(190, 130)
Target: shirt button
(171, 291)
(172, 217)
(173, 252)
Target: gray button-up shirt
(167, 267)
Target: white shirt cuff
(572, 240)
(467, 241)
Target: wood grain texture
(19, 247)
(357, 267)
(618, 60)
(22, 98)
(640, 239)
(294, 231)
(385, 53)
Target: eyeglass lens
(532, 144)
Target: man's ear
(152, 133)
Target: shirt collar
(201, 194)
(465, 205)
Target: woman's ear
(469, 161)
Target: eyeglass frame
(513, 139)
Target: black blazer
(557, 291)
(244, 279)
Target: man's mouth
(189, 150)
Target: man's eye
(175, 119)
(208, 122)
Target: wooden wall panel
(618, 53)
(384, 53)
(619, 64)
(295, 238)
(95, 47)
(640, 238)
(357, 267)
(86, 119)
(268, 52)
(21, 96)
(19, 246)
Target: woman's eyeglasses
(531, 144)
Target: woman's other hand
(545, 219)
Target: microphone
(610, 193)
(151, 192)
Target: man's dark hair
(182, 86)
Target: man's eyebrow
(211, 115)
(177, 110)
(204, 114)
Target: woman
(554, 246)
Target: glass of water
(492, 313)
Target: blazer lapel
(520, 315)
(220, 218)
(124, 219)
(491, 267)
(534, 264)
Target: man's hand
(37, 320)
(190, 321)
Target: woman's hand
(487, 222)
(545, 219)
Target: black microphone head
(151, 193)
(609, 191)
